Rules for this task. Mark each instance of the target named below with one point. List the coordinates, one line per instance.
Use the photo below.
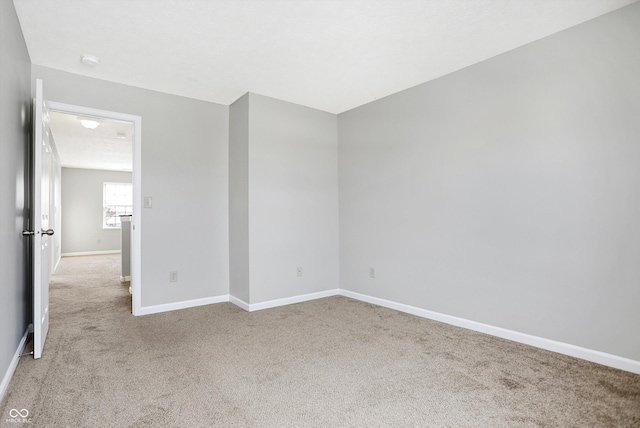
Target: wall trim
(14, 363)
(147, 310)
(594, 356)
(55, 268)
(251, 307)
(240, 303)
(89, 253)
(291, 300)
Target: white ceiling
(328, 54)
(99, 148)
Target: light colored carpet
(332, 362)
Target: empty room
(342, 213)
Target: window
(118, 200)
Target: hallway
(88, 284)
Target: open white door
(41, 246)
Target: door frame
(136, 220)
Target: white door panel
(42, 254)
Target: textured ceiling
(330, 55)
(99, 148)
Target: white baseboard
(538, 342)
(125, 278)
(240, 303)
(282, 302)
(14, 363)
(599, 357)
(90, 253)
(146, 310)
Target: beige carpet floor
(332, 362)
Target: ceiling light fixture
(89, 123)
(89, 60)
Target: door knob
(47, 232)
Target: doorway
(126, 129)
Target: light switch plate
(147, 202)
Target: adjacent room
(341, 213)
(96, 198)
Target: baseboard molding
(251, 307)
(125, 278)
(603, 358)
(240, 303)
(90, 253)
(598, 357)
(147, 310)
(14, 363)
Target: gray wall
(239, 198)
(82, 199)
(293, 199)
(507, 193)
(15, 96)
(284, 166)
(185, 170)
